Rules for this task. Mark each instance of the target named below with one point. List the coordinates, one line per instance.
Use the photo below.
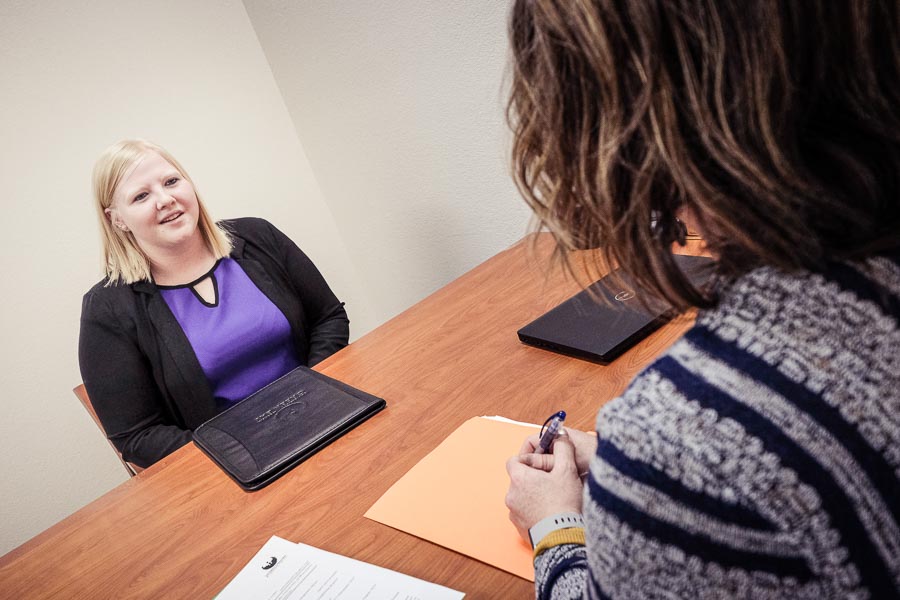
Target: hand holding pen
(585, 444)
(543, 477)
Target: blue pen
(549, 432)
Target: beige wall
(375, 140)
(75, 78)
(399, 105)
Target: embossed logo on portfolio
(624, 295)
(291, 401)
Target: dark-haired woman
(759, 456)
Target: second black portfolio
(600, 323)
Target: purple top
(242, 340)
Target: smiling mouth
(170, 218)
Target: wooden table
(182, 529)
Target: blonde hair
(123, 259)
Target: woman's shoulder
(245, 227)
(259, 237)
(106, 289)
(257, 232)
(779, 349)
(801, 364)
(106, 298)
(767, 292)
(818, 329)
(829, 337)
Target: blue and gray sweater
(759, 457)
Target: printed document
(283, 570)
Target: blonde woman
(192, 315)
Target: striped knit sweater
(759, 457)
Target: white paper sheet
(283, 570)
(506, 420)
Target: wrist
(547, 525)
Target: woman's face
(157, 205)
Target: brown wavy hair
(773, 123)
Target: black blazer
(140, 371)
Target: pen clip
(561, 414)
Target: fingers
(538, 487)
(544, 462)
(513, 463)
(530, 444)
(563, 453)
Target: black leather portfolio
(602, 322)
(271, 431)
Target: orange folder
(455, 496)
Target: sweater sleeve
(560, 572)
(120, 384)
(329, 327)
